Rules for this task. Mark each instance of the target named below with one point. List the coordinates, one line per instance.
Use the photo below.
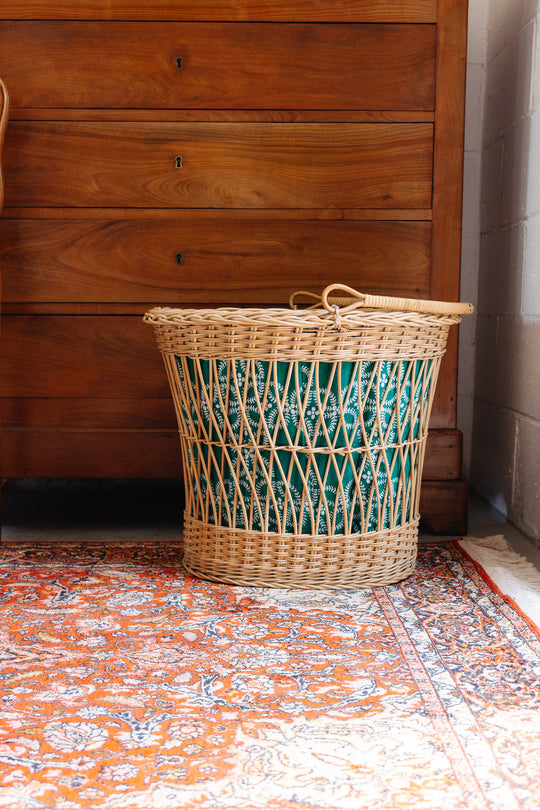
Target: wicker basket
(303, 436)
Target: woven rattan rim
(370, 325)
(293, 319)
(282, 334)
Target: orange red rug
(126, 684)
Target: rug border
(491, 582)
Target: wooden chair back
(4, 113)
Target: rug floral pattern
(126, 684)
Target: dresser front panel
(81, 357)
(218, 65)
(195, 259)
(213, 152)
(219, 165)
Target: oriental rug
(127, 684)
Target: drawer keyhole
(178, 258)
(178, 162)
(179, 62)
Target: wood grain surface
(219, 165)
(236, 10)
(218, 65)
(188, 259)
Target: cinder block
(477, 32)
(470, 254)
(467, 355)
(474, 106)
(487, 377)
(501, 25)
(525, 509)
(505, 19)
(509, 83)
(498, 107)
(515, 173)
(472, 185)
(493, 454)
(527, 10)
(500, 282)
(533, 180)
(492, 178)
(517, 361)
(465, 420)
(507, 363)
(531, 279)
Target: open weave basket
(303, 436)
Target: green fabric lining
(348, 468)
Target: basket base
(272, 560)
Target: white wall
(499, 401)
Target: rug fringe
(504, 555)
(513, 574)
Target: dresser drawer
(87, 358)
(218, 65)
(71, 356)
(208, 259)
(219, 165)
(59, 453)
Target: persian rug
(127, 684)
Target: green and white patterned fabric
(302, 447)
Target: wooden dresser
(213, 152)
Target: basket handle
(294, 304)
(387, 302)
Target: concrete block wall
(472, 187)
(499, 399)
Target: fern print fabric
(301, 447)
